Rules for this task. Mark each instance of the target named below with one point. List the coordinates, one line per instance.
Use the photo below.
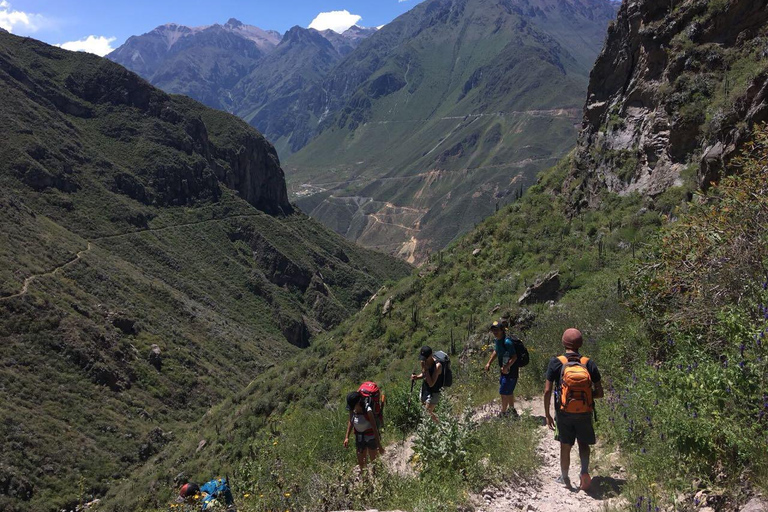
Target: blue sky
(110, 23)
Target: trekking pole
(408, 408)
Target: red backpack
(375, 399)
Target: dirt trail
(79, 255)
(35, 277)
(543, 494)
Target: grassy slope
(293, 412)
(280, 438)
(216, 283)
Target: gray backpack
(442, 358)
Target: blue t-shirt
(505, 350)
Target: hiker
(215, 491)
(572, 377)
(363, 421)
(432, 374)
(505, 352)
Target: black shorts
(573, 427)
(365, 441)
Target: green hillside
(443, 114)
(151, 267)
(679, 430)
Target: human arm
(415, 376)
(510, 356)
(547, 402)
(488, 365)
(597, 379)
(598, 392)
(349, 431)
(372, 420)
(432, 379)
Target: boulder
(757, 504)
(387, 307)
(155, 357)
(544, 289)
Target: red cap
(188, 490)
(572, 339)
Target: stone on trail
(756, 505)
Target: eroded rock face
(545, 289)
(669, 91)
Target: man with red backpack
(576, 382)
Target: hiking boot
(565, 481)
(586, 482)
(513, 413)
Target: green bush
(444, 448)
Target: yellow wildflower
(287, 495)
(246, 495)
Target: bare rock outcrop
(677, 86)
(545, 289)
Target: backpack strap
(584, 361)
(562, 359)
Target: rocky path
(79, 255)
(53, 272)
(543, 494)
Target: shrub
(444, 448)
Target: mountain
(677, 326)
(151, 265)
(444, 113)
(272, 81)
(675, 93)
(203, 63)
(284, 94)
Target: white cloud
(99, 45)
(18, 21)
(338, 21)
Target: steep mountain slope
(274, 82)
(670, 294)
(203, 63)
(677, 88)
(444, 113)
(150, 266)
(283, 96)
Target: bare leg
(361, 456)
(431, 411)
(504, 403)
(565, 460)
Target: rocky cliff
(675, 91)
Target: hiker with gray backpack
(512, 355)
(436, 374)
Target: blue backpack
(217, 491)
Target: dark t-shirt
(555, 367)
(438, 383)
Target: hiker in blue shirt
(504, 351)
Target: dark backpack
(442, 358)
(523, 358)
(375, 399)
